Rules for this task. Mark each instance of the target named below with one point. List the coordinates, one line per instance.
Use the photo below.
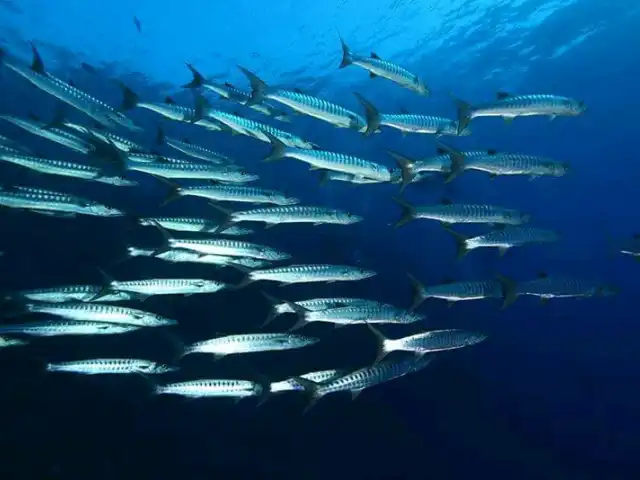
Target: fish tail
(174, 191)
(273, 313)
(456, 157)
(418, 292)
(282, 117)
(278, 148)
(227, 222)
(461, 241)
(311, 388)
(3, 55)
(406, 167)
(371, 113)
(509, 290)
(258, 87)
(200, 110)
(464, 114)
(197, 80)
(246, 280)
(347, 56)
(130, 99)
(301, 312)
(408, 212)
(383, 351)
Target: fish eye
(199, 283)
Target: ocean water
(551, 394)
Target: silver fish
(121, 143)
(6, 342)
(557, 286)
(56, 328)
(407, 122)
(293, 214)
(302, 103)
(279, 307)
(232, 193)
(382, 68)
(326, 175)
(356, 313)
(195, 151)
(53, 203)
(118, 366)
(426, 342)
(338, 162)
(195, 171)
(193, 224)
(290, 384)
(71, 293)
(163, 286)
(250, 343)
(363, 378)
(228, 91)
(212, 388)
(503, 239)
(98, 312)
(308, 274)
(96, 109)
(459, 291)
(65, 168)
(258, 130)
(190, 256)
(225, 247)
(57, 135)
(449, 213)
(510, 106)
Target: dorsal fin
(37, 65)
(446, 201)
(33, 116)
(229, 85)
(492, 151)
(543, 274)
(501, 95)
(297, 90)
(636, 236)
(169, 100)
(186, 140)
(441, 151)
(447, 280)
(404, 111)
(375, 55)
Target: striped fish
(449, 213)
(378, 67)
(454, 292)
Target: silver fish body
(377, 67)
(57, 135)
(513, 236)
(237, 193)
(295, 214)
(48, 201)
(121, 143)
(193, 224)
(98, 312)
(96, 109)
(56, 328)
(311, 273)
(6, 342)
(557, 286)
(516, 164)
(64, 168)
(429, 342)
(167, 286)
(197, 151)
(194, 171)
(250, 343)
(232, 248)
(212, 388)
(358, 313)
(72, 293)
(117, 366)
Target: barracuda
(96, 109)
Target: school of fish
(235, 192)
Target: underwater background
(553, 393)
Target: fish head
(560, 169)
(152, 319)
(273, 254)
(363, 273)
(279, 199)
(577, 107)
(515, 217)
(475, 337)
(105, 211)
(347, 218)
(356, 122)
(206, 285)
(244, 176)
(161, 368)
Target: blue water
(553, 392)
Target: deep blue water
(553, 392)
